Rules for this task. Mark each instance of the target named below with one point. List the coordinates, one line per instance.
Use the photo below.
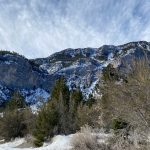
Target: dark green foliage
(91, 100)
(53, 116)
(63, 57)
(17, 101)
(46, 122)
(110, 73)
(58, 116)
(12, 125)
(17, 119)
(119, 124)
(66, 104)
(38, 142)
(61, 88)
(75, 100)
(3, 52)
(16, 123)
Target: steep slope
(81, 67)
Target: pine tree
(15, 120)
(61, 87)
(17, 101)
(58, 115)
(46, 122)
(76, 98)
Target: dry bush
(86, 139)
(133, 141)
(131, 100)
(16, 123)
(28, 143)
(121, 142)
(12, 125)
(90, 115)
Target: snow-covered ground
(58, 143)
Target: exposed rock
(81, 68)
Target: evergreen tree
(61, 90)
(15, 121)
(17, 101)
(46, 122)
(58, 115)
(76, 98)
(12, 125)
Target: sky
(39, 28)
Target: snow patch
(34, 96)
(51, 69)
(4, 92)
(59, 142)
(9, 62)
(2, 95)
(11, 145)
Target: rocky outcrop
(81, 68)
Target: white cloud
(38, 28)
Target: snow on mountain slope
(81, 67)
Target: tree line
(59, 115)
(123, 106)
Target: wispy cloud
(38, 28)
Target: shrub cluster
(17, 119)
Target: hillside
(81, 68)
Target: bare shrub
(132, 141)
(28, 143)
(90, 115)
(86, 139)
(121, 141)
(129, 101)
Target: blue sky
(38, 28)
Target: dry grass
(134, 141)
(86, 139)
(127, 100)
(28, 142)
(130, 101)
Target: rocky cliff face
(81, 67)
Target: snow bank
(58, 143)
(11, 145)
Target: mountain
(81, 67)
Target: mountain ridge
(81, 67)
